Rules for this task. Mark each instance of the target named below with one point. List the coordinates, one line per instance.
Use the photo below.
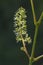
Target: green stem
(33, 47)
(33, 11)
(36, 23)
(37, 58)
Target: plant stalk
(33, 47)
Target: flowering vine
(20, 30)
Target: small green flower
(20, 25)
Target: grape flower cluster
(20, 26)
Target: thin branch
(37, 58)
(40, 18)
(24, 48)
(34, 16)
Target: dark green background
(10, 53)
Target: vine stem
(35, 35)
(36, 23)
(33, 47)
(33, 11)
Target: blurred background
(10, 53)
